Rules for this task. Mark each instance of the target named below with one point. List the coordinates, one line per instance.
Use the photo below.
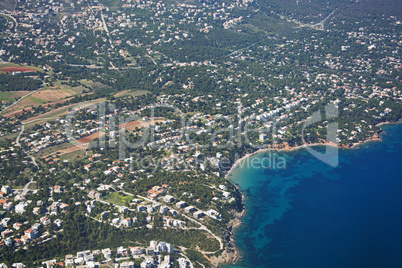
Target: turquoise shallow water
(313, 215)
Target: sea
(313, 215)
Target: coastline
(236, 222)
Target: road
(17, 143)
(20, 99)
(320, 25)
(26, 187)
(25, 190)
(202, 227)
(11, 17)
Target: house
(8, 242)
(31, 233)
(58, 223)
(78, 260)
(150, 209)
(126, 222)
(50, 264)
(69, 260)
(141, 208)
(181, 204)
(107, 253)
(226, 194)
(189, 209)
(20, 208)
(183, 263)
(147, 263)
(94, 194)
(213, 214)
(6, 189)
(17, 226)
(36, 210)
(89, 258)
(17, 242)
(18, 265)
(8, 206)
(136, 251)
(25, 239)
(198, 214)
(163, 209)
(122, 209)
(85, 255)
(6, 233)
(222, 187)
(3, 201)
(36, 226)
(90, 208)
(127, 264)
(57, 189)
(165, 247)
(168, 198)
(54, 207)
(45, 221)
(166, 262)
(122, 251)
(149, 251)
(91, 264)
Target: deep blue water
(313, 215)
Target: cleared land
(133, 93)
(91, 137)
(12, 95)
(130, 126)
(56, 113)
(46, 96)
(21, 69)
(64, 153)
(68, 148)
(118, 199)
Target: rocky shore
(231, 254)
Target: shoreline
(236, 222)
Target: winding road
(11, 17)
(202, 227)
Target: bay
(310, 214)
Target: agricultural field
(7, 67)
(12, 95)
(48, 95)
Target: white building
(20, 208)
(168, 198)
(127, 264)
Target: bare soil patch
(130, 126)
(17, 69)
(91, 137)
